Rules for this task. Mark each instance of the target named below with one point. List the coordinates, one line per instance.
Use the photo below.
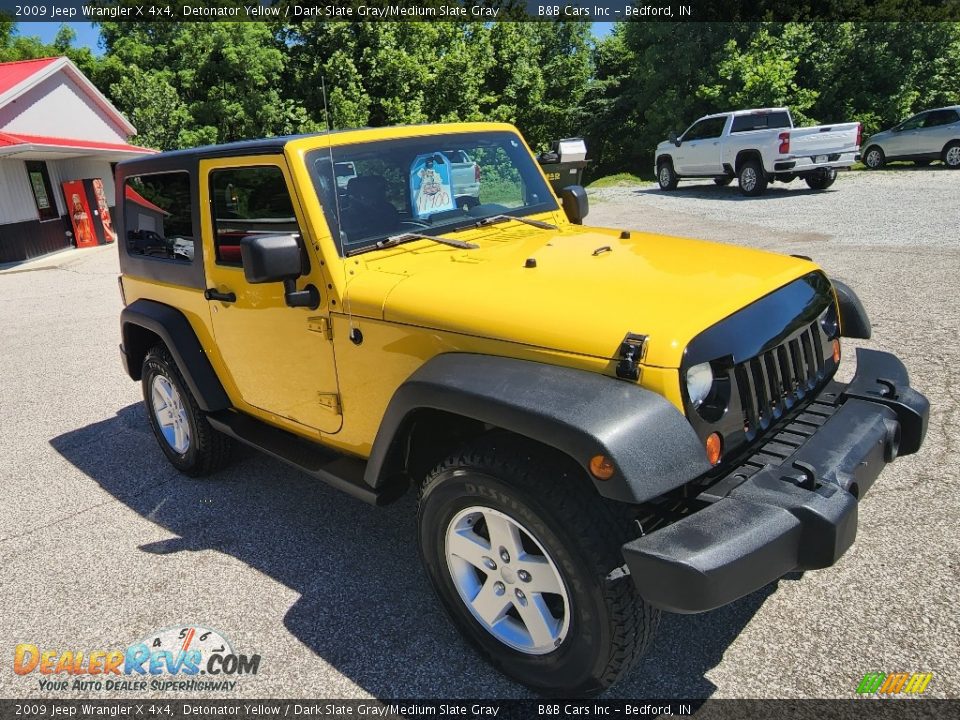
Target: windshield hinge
(320, 325)
(632, 349)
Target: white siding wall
(58, 107)
(16, 196)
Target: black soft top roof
(188, 157)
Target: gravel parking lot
(101, 542)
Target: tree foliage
(184, 84)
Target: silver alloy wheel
(516, 594)
(873, 158)
(170, 414)
(953, 156)
(748, 179)
(664, 176)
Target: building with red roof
(55, 128)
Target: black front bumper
(793, 504)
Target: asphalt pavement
(102, 543)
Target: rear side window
(760, 121)
(940, 117)
(158, 216)
(252, 201)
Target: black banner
(480, 10)
(854, 709)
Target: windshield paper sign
(430, 185)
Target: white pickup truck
(757, 147)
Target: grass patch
(618, 180)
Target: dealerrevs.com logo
(185, 658)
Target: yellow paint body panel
(421, 299)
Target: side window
(759, 121)
(706, 129)
(158, 216)
(940, 117)
(914, 122)
(251, 201)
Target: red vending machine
(89, 213)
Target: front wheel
(523, 555)
(666, 176)
(821, 179)
(874, 159)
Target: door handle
(212, 294)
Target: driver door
(906, 141)
(278, 359)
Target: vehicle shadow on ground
(365, 606)
(731, 193)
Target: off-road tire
(554, 501)
(873, 158)
(821, 180)
(666, 176)
(208, 450)
(755, 184)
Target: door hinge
(331, 401)
(320, 325)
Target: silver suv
(923, 138)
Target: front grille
(774, 381)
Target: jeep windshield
(430, 185)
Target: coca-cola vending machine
(89, 213)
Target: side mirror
(672, 137)
(575, 203)
(277, 258)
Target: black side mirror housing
(575, 203)
(672, 137)
(270, 258)
(277, 258)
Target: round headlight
(699, 382)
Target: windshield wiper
(408, 236)
(494, 219)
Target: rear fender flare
(145, 321)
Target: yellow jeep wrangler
(601, 424)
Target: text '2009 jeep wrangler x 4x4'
(601, 424)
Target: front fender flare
(580, 413)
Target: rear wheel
(666, 177)
(873, 158)
(522, 553)
(182, 430)
(752, 179)
(951, 155)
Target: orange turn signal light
(601, 467)
(714, 448)
(836, 351)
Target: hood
(588, 289)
